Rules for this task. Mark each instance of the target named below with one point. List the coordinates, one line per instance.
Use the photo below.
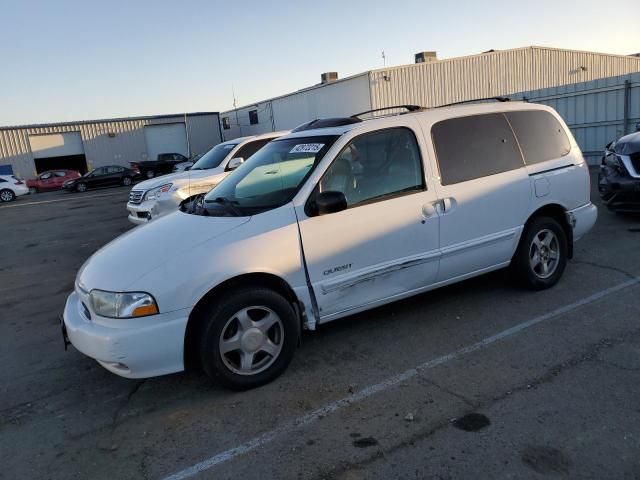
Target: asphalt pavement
(478, 380)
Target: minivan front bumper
(137, 348)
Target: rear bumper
(582, 219)
(619, 193)
(137, 348)
(20, 190)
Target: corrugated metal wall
(344, 97)
(492, 74)
(101, 149)
(597, 112)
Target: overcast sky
(87, 59)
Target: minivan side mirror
(330, 202)
(235, 163)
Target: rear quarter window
(474, 146)
(540, 134)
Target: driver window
(45, 176)
(376, 165)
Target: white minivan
(324, 223)
(159, 196)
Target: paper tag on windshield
(307, 148)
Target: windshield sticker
(307, 148)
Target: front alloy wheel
(126, 181)
(251, 340)
(82, 187)
(247, 337)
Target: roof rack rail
(497, 99)
(409, 108)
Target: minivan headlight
(157, 192)
(123, 304)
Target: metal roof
(108, 120)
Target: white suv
(324, 223)
(161, 195)
(11, 187)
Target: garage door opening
(58, 151)
(67, 162)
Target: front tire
(81, 187)
(249, 338)
(541, 256)
(150, 174)
(7, 195)
(33, 190)
(126, 181)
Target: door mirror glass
(330, 202)
(235, 163)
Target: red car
(51, 180)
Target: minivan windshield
(214, 157)
(269, 179)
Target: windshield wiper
(230, 204)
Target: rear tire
(541, 256)
(149, 174)
(239, 331)
(7, 195)
(81, 187)
(33, 190)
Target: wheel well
(196, 318)
(558, 213)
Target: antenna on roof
(384, 60)
(233, 92)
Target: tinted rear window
(540, 135)
(475, 146)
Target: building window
(226, 124)
(253, 117)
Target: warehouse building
(28, 150)
(430, 82)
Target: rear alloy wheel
(33, 190)
(542, 254)
(7, 195)
(150, 174)
(249, 338)
(81, 187)
(126, 181)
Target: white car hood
(181, 177)
(139, 251)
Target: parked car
(184, 166)
(154, 198)
(619, 176)
(161, 166)
(102, 177)
(11, 187)
(324, 223)
(51, 180)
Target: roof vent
(426, 57)
(328, 77)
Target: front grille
(136, 196)
(635, 161)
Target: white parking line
(80, 197)
(289, 427)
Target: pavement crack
(125, 403)
(459, 396)
(606, 267)
(590, 353)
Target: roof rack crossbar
(497, 99)
(409, 108)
